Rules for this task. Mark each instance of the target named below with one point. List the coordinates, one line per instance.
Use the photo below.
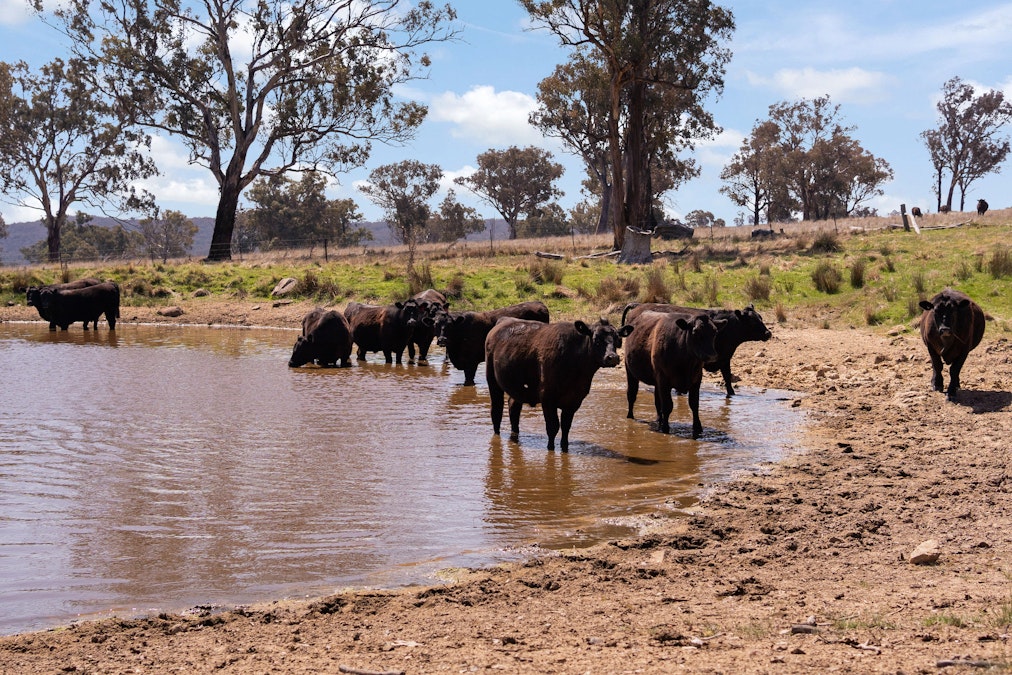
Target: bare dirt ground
(804, 568)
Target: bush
(827, 278)
(617, 289)
(780, 312)
(546, 271)
(758, 288)
(857, 273)
(825, 242)
(1000, 263)
(657, 289)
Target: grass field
(859, 272)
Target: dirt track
(800, 570)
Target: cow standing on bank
(951, 326)
(738, 326)
(382, 328)
(65, 306)
(325, 340)
(462, 334)
(551, 365)
(667, 350)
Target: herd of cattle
(532, 361)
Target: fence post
(326, 257)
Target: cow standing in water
(430, 303)
(463, 334)
(325, 340)
(547, 364)
(382, 328)
(737, 327)
(951, 326)
(87, 304)
(667, 350)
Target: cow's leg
(496, 395)
(664, 405)
(360, 354)
(469, 372)
(110, 317)
(632, 386)
(697, 426)
(52, 326)
(423, 351)
(516, 406)
(936, 369)
(552, 425)
(567, 423)
(725, 370)
(411, 352)
(954, 370)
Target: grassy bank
(866, 273)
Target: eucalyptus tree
(167, 235)
(403, 191)
(262, 87)
(65, 143)
(662, 59)
(969, 141)
(515, 181)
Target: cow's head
(605, 339)
(408, 312)
(702, 332)
(32, 296)
(303, 352)
(948, 314)
(752, 322)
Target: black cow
(548, 364)
(951, 326)
(981, 207)
(87, 304)
(32, 293)
(430, 303)
(463, 334)
(916, 211)
(325, 340)
(386, 328)
(667, 350)
(739, 326)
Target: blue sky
(884, 62)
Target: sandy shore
(805, 568)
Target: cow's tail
(631, 306)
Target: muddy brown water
(157, 468)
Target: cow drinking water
(382, 328)
(547, 364)
(951, 326)
(325, 340)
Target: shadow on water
(157, 467)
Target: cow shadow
(984, 401)
(539, 442)
(683, 430)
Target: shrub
(825, 242)
(758, 288)
(546, 271)
(420, 279)
(963, 271)
(455, 289)
(617, 289)
(657, 289)
(1000, 262)
(780, 312)
(857, 273)
(890, 266)
(873, 317)
(826, 278)
(710, 289)
(919, 284)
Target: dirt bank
(802, 569)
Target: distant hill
(22, 235)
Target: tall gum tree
(66, 143)
(260, 88)
(653, 51)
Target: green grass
(901, 268)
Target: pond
(156, 468)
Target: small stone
(201, 293)
(285, 286)
(925, 554)
(171, 311)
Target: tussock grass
(827, 278)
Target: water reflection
(157, 467)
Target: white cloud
(482, 114)
(14, 12)
(847, 85)
(717, 151)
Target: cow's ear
(925, 305)
(750, 308)
(399, 305)
(683, 324)
(964, 303)
(582, 328)
(625, 330)
(738, 312)
(457, 319)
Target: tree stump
(636, 247)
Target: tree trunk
(224, 222)
(53, 228)
(636, 247)
(604, 220)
